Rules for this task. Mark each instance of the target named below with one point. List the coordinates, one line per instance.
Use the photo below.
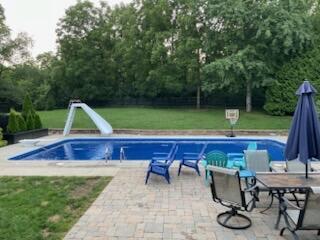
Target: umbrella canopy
(304, 136)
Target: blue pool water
(143, 148)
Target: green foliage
(253, 39)
(158, 49)
(31, 118)
(2, 142)
(27, 107)
(16, 122)
(30, 122)
(280, 97)
(13, 122)
(37, 122)
(21, 123)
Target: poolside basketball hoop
(232, 115)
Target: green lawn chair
(215, 158)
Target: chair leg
(167, 176)
(198, 170)
(296, 199)
(147, 177)
(282, 230)
(180, 166)
(270, 204)
(207, 177)
(295, 236)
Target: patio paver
(129, 209)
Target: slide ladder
(104, 127)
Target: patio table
(281, 183)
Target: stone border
(240, 132)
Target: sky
(39, 19)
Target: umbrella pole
(307, 169)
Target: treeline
(164, 49)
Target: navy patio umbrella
(304, 136)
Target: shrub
(280, 97)
(30, 122)
(37, 121)
(29, 114)
(2, 142)
(12, 123)
(27, 107)
(21, 123)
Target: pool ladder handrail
(122, 155)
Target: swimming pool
(142, 148)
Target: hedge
(280, 97)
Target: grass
(177, 118)
(38, 208)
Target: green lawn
(44, 207)
(157, 118)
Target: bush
(2, 142)
(37, 122)
(27, 107)
(29, 114)
(30, 122)
(21, 123)
(280, 97)
(12, 123)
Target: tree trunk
(198, 80)
(249, 96)
(198, 96)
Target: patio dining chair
(258, 161)
(237, 159)
(191, 160)
(160, 166)
(227, 190)
(306, 217)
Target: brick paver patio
(129, 209)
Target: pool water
(143, 148)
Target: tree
(257, 37)
(85, 52)
(191, 24)
(12, 52)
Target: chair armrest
(158, 164)
(158, 158)
(160, 153)
(204, 163)
(251, 189)
(190, 153)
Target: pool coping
(184, 132)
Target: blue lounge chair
(160, 166)
(237, 159)
(191, 160)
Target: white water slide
(104, 127)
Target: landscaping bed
(44, 207)
(16, 137)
